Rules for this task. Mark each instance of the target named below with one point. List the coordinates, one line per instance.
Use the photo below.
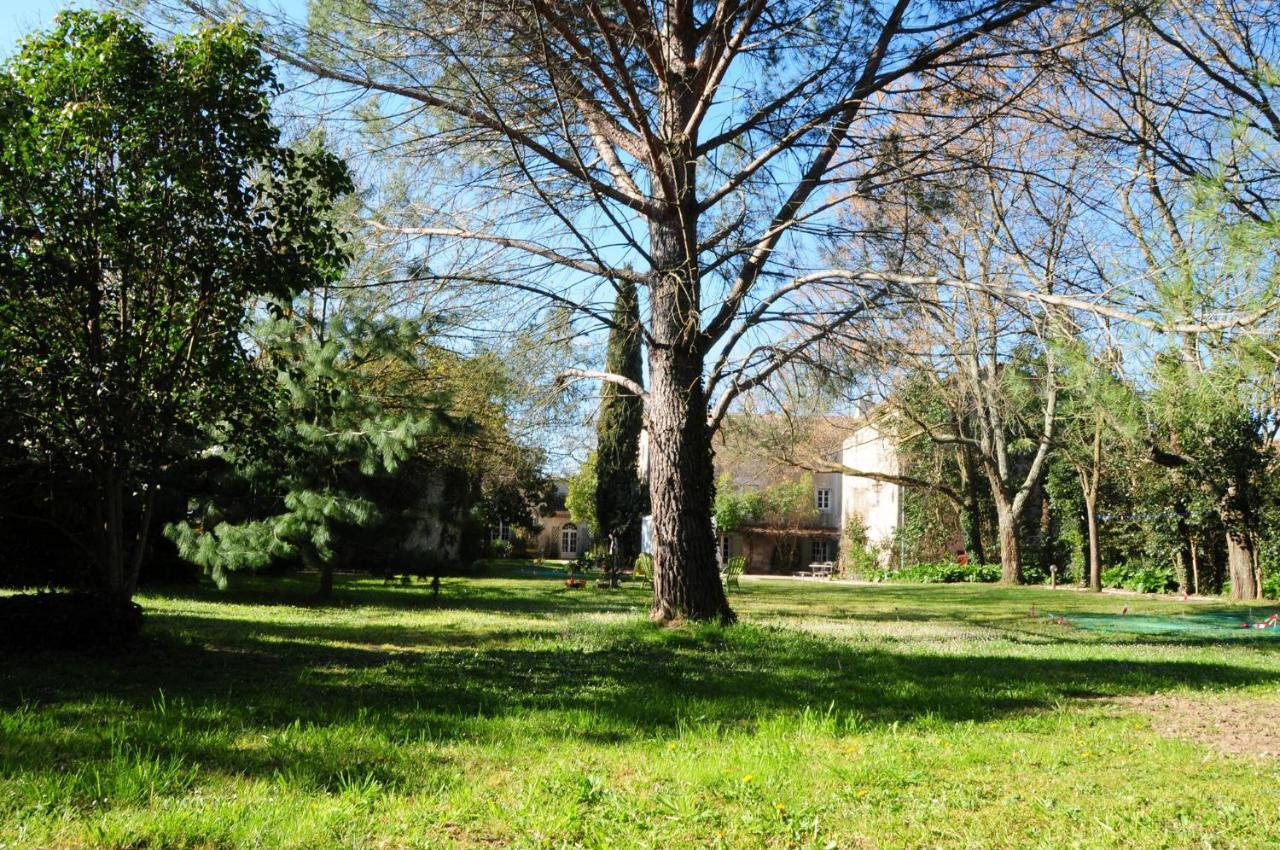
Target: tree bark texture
(1241, 565)
(1010, 546)
(686, 579)
(686, 575)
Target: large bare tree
(695, 148)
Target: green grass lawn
(515, 712)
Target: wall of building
(550, 543)
(877, 503)
(833, 517)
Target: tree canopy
(146, 202)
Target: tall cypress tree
(621, 500)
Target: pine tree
(339, 419)
(621, 499)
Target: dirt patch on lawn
(1247, 726)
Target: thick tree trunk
(686, 576)
(1241, 565)
(112, 555)
(1095, 555)
(1010, 548)
(686, 580)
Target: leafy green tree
(734, 508)
(581, 498)
(1098, 415)
(621, 500)
(145, 201)
(340, 418)
(1218, 441)
(937, 470)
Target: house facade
(783, 547)
(561, 539)
(558, 538)
(878, 504)
(812, 534)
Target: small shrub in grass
(644, 565)
(939, 572)
(1143, 578)
(597, 557)
(1271, 586)
(1114, 575)
(982, 573)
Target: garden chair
(731, 570)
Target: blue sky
(19, 17)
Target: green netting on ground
(1207, 624)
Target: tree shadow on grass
(195, 693)
(638, 681)
(537, 596)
